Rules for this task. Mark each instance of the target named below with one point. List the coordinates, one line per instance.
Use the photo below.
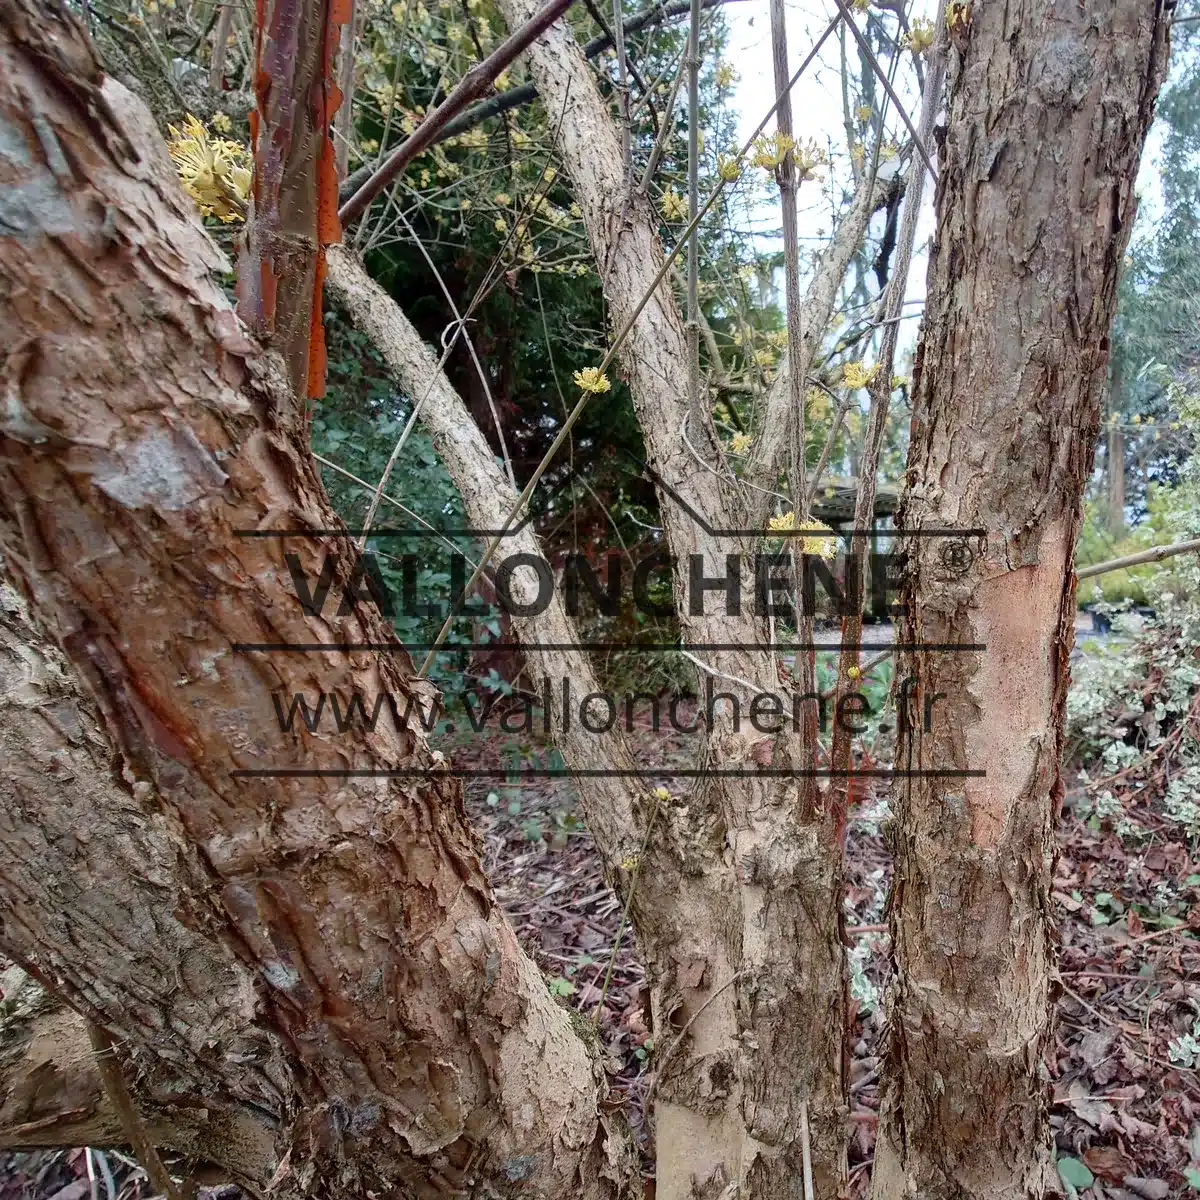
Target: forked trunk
(1048, 108)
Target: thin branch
(131, 1122)
(865, 46)
(343, 121)
(1155, 554)
(472, 85)
(216, 70)
(664, 130)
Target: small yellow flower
(808, 156)
(920, 37)
(591, 379)
(575, 210)
(729, 167)
(854, 672)
(370, 145)
(630, 863)
(550, 174)
(856, 375)
(503, 199)
(858, 154)
(581, 269)
(819, 540)
(674, 206)
(215, 172)
(221, 122)
(501, 225)
(769, 152)
(740, 443)
(725, 75)
(464, 204)
(501, 81)
(783, 522)
(661, 793)
(863, 112)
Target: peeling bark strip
(344, 968)
(1048, 108)
(293, 211)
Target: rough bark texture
(613, 813)
(350, 932)
(1049, 104)
(748, 958)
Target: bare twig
(216, 70)
(865, 46)
(670, 1051)
(131, 1121)
(1155, 554)
(343, 121)
(806, 1151)
(472, 85)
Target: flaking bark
(1048, 108)
(417, 1046)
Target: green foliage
(1097, 544)
(1154, 334)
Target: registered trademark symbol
(957, 557)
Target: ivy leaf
(1074, 1173)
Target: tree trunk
(320, 949)
(1048, 108)
(745, 959)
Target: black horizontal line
(635, 648)
(393, 531)
(598, 773)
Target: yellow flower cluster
(808, 156)
(729, 167)
(740, 443)
(214, 171)
(726, 75)
(769, 152)
(920, 37)
(674, 206)
(818, 540)
(856, 375)
(591, 379)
